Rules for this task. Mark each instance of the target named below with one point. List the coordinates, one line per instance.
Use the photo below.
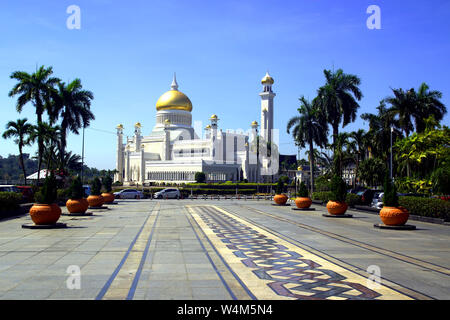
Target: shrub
(107, 183)
(353, 199)
(303, 191)
(390, 198)
(96, 187)
(76, 189)
(62, 195)
(338, 189)
(322, 183)
(200, 177)
(441, 180)
(427, 207)
(9, 201)
(323, 196)
(49, 192)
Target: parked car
(87, 190)
(169, 193)
(9, 188)
(27, 193)
(129, 194)
(377, 201)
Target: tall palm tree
(307, 128)
(338, 99)
(428, 104)
(20, 130)
(73, 108)
(404, 106)
(39, 89)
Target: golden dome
(254, 123)
(138, 124)
(267, 79)
(208, 127)
(174, 100)
(120, 126)
(300, 169)
(214, 117)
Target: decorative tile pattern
(289, 272)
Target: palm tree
(338, 99)
(39, 89)
(341, 154)
(20, 130)
(404, 106)
(357, 147)
(73, 107)
(428, 104)
(308, 128)
(50, 136)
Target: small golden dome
(208, 127)
(138, 124)
(267, 79)
(300, 169)
(254, 123)
(214, 117)
(167, 121)
(174, 100)
(120, 126)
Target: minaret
(174, 85)
(137, 136)
(120, 154)
(267, 107)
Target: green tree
(371, 171)
(338, 98)
(200, 177)
(39, 89)
(73, 108)
(49, 136)
(308, 128)
(20, 130)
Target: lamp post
(392, 130)
(82, 158)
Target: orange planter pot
(95, 201)
(77, 205)
(45, 213)
(394, 216)
(280, 199)
(337, 208)
(109, 197)
(303, 203)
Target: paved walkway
(224, 250)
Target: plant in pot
(337, 205)
(107, 195)
(392, 214)
(45, 211)
(95, 199)
(77, 203)
(280, 198)
(303, 200)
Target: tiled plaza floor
(221, 250)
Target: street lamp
(392, 130)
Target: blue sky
(127, 51)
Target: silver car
(377, 201)
(129, 194)
(169, 193)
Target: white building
(173, 152)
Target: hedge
(324, 196)
(9, 201)
(426, 207)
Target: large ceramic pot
(109, 197)
(45, 213)
(95, 201)
(394, 216)
(77, 205)
(337, 208)
(303, 202)
(280, 199)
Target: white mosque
(173, 152)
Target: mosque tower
(267, 107)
